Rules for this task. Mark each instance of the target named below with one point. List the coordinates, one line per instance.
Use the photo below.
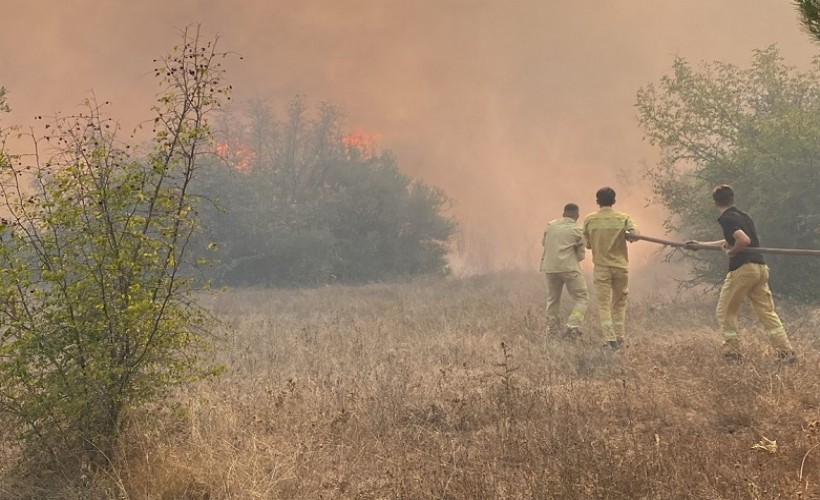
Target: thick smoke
(513, 107)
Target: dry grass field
(450, 389)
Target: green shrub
(96, 318)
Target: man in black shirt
(748, 278)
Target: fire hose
(700, 246)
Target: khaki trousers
(750, 281)
(611, 285)
(577, 288)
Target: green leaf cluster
(809, 11)
(4, 105)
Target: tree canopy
(810, 16)
(755, 128)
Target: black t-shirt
(731, 220)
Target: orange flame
(360, 144)
(239, 157)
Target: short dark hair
(605, 197)
(724, 195)
(570, 207)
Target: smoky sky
(514, 108)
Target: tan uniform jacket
(563, 243)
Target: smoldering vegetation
(449, 389)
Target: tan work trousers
(612, 287)
(750, 281)
(577, 289)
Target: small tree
(757, 129)
(96, 317)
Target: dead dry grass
(449, 389)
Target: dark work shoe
(786, 357)
(733, 357)
(615, 344)
(573, 333)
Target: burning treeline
(305, 202)
(512, 108)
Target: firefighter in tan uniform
(563, 250)
(605, 234)
(748, 278)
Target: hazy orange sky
(513, 107)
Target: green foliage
(809, 16)
(302, 204)
(757, 129)
(95, 315)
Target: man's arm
(544, 245)
(742, 241)
(630, 225)
(632, 232)
(717, 243)
(580, 251)
(546, 230)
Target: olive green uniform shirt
(604, 234)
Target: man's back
(604, 234)
(731, 220)
(563, 246)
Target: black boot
(786, 357)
